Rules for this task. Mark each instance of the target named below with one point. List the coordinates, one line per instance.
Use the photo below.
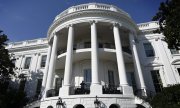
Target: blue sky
(30, 19)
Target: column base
(142, 92)
(95, 89)
(64, 91)
(127, 90)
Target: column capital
(132, 35)
(70, 25)
(116, 24)
(93, 21)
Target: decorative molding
(153, 64)
(175, 62)
(90, 13)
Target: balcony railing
(79, 90)
(100, 45)
(52, 93)
(111, 89)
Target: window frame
(150, 49)
(158, 79)
(24, 67)
(43, 62)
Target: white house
(95, 56)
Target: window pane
(87, 77)
(43, 60)
(178, 69)
(148, 49)
(22, 85)
(111, 77)
(27, 63)
(58, 83)
(39, 84)
(87, 45)
(156, 80)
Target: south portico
(96, 86)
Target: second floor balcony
(100, 45)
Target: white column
(46, 69)
(69, 57)
(119, 56)
(138, 71)
(52, 63)
(94, 54)
(96, 88)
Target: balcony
(52, 93)
(78, 90)
(111, 89)
(100, 45)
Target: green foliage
(13, 98)
(168, 98)
(6, 65)
(169, 21)
(9, 97)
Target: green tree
(168, 16)
(10, 97)
(168, 98)
(6, 65)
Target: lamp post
(97, 103)
(59, 103)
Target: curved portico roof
(91, 10)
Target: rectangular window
(22, 85)
(27, 63)
(43, 61)
(87, 77)
(131, 80)
(148, 50)
(157, 80)
(39, 84)
(178, 69)
(111, 78)
(87, 44)
(58, 84)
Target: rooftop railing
(91, 6)
(27, 43)
(148, 25)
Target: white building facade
(95, 55)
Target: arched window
(114, 106)
(50, 107)
(139, 106)
(79, 106)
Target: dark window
(87, 44)
(157, 80)
(58, 84)
(111, 77)
(178, 69)
(22, 85)
(13, 61)
(131, 80)
(27, 63)
(87, 77)
(107, 45)
(148, 49)
(100, 45)
(79, 106)
(39, 84)
(43, 60)
(113, 106)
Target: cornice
(26, 48)
(91, 13)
